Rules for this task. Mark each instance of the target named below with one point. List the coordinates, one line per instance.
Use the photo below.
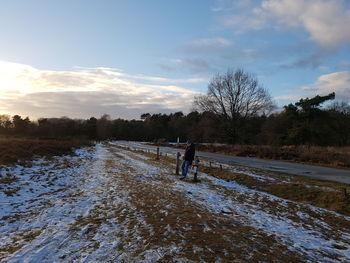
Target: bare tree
(235, 95)
(338, 106)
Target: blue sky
(85, 58)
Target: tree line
(301, 123)
(236, 110)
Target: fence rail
(211, 163)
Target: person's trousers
(184, 167)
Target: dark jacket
(189, 153)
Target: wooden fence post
(177, 163)
(196, 169)
(157, 158)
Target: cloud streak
(208, 45)
(85, 92)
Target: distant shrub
(15, 149)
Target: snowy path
(108, 204)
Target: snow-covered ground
(109, 204)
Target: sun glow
(14, 79)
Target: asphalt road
(318, 172)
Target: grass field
(324, 194)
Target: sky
(83, 58)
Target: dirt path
(109, 204)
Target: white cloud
(327, 21)
(338, 82)
(243, 22)
(165, 80)
(84, 92)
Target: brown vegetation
(329, 195)
(8, 179)
(15, 246)
(184, 222)
(179, 221)
(14, 149)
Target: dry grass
(332, 200)
(226, 239)
(14, 149)
(11, 192)
(329, 195)
(171, 218)
(18, 242)
(8, 179)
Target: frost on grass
(300, 231)
(70, 208)
(110, 204)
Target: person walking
(187, 159)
